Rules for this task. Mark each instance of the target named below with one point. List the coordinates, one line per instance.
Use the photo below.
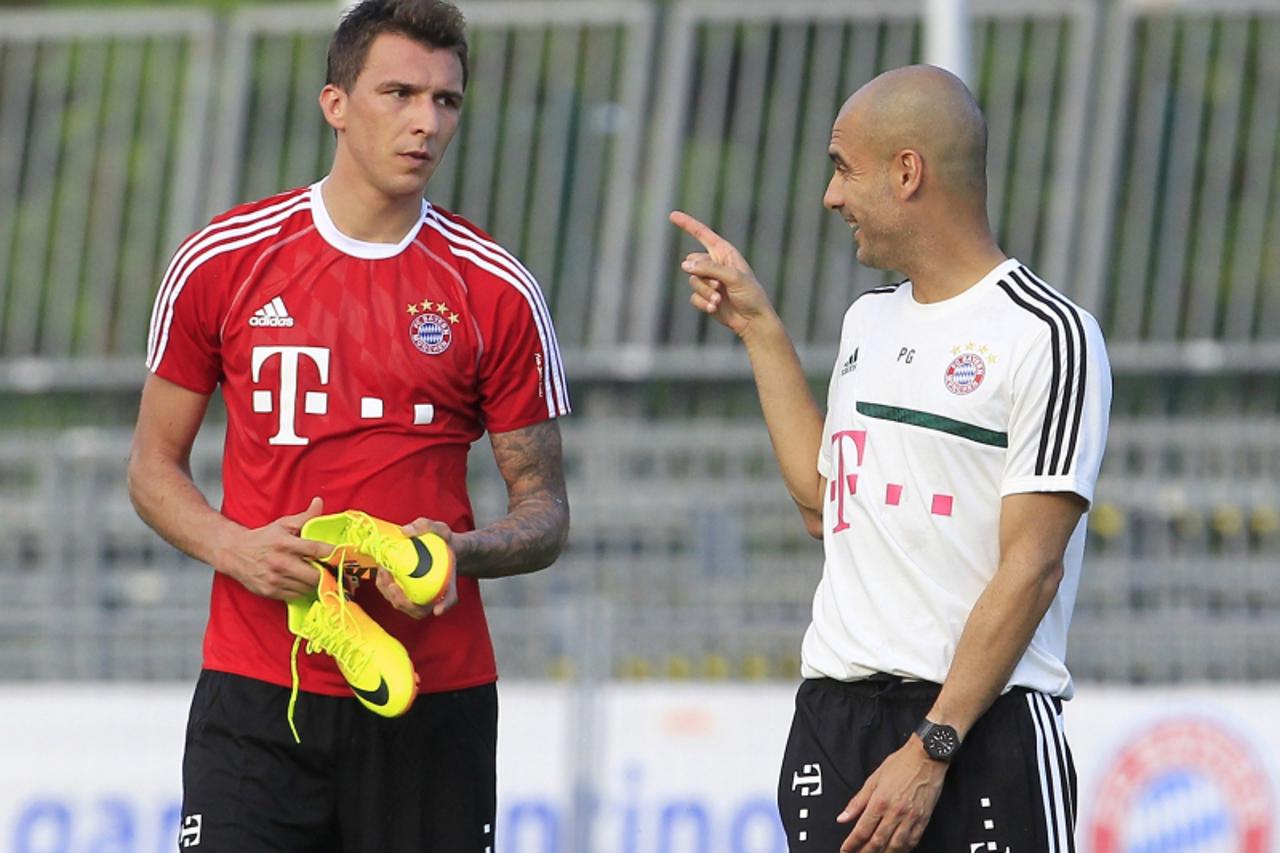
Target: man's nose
(426, 119)
(831, 199)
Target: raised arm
(725, 287)
(268, 561)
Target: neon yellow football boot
(422, 566)
(373, 662)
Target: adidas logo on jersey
(851, 364)
(272, 315)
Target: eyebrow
(415, 88)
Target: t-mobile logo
(314, 403)
(190, 834)
(845, 483)
(810, 784)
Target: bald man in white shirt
(949, 481)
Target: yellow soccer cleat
(373, 662)
(422, 566)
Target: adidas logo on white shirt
(272, 315)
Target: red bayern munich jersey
(359, 372)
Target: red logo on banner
(1191, 779)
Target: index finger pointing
(697, 230)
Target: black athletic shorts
(1011, 787)
(424, 782)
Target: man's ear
(333, 104)
(907, 171)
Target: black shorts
(424, 782)
(1011, 786)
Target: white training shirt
(934, 413)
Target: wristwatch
(940, 741)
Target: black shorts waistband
(883, 685)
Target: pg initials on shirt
(286, 396)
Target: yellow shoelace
(338, 636)
(368, 540)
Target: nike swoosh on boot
(424, 559)
(377, 696)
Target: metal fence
(1133, 161)
(101, 130)
(686, 559)
(1185, 187)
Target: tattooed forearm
(536, 525)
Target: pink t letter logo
(315, 403)
(845, 483)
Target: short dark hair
(432, 23)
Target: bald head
(927, 109)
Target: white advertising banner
(651, 768)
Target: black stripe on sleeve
(1078, 322)
(1068, 376)
(1053, 379)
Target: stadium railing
(1134, 162)
(685, 560)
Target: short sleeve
(183, 344)
(522, 378)
(1060, 409)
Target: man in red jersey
(363, 339)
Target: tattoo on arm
(536, 525)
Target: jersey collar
(967, 297)
(350, 245)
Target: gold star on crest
(955, 350)
(426, 305)
(441, 308)
(453, 318)
(413, 308)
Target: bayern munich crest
(1187, 783)
(432, 327)
(965, 373)
(430, 333)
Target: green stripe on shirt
(934, 422)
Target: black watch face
(941, 742)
